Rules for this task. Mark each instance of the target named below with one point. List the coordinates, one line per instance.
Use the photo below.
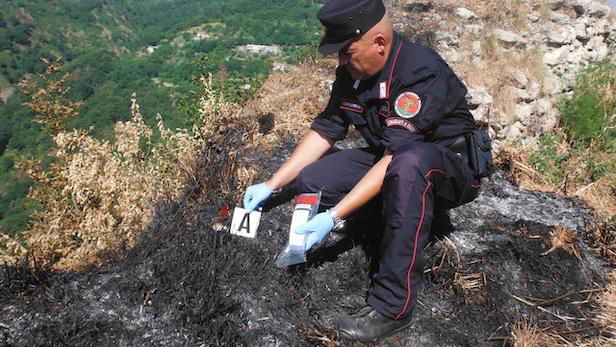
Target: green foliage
(14, 208)
(548, 160)
(302, 53)
(589, 114)
(587, 148)
(103, 43)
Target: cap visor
(327, 48)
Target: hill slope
(185, 283)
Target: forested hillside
(130, 242)
(112, 48)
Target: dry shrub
(214, 110)
(10, 250)
(52, 107)
(99, 196)
(525, 333)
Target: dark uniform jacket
(416, 97)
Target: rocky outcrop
(6, 93)
(557, 39)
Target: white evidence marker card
(245, 224)
(301, 214)
(306, 206)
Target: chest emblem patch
(408, 105)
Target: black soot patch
(266, 123)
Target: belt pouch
(480, 153)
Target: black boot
(368, 325)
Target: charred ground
(185, 283)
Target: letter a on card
(245, 224)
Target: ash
(186, 284)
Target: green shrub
(548, 160)
(585, 147)
(591, 113)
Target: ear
(380, 41)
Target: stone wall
(559, 37)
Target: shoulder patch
(407, 105)
(384, 109)
(351, 105)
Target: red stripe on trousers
(423, 212)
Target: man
(410, 107)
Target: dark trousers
(422, 180)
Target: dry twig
(561, 317)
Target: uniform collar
(381, 83)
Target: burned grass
(574, 181)
(183, 283)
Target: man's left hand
(316, 229)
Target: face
(361, 58)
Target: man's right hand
(256, 195)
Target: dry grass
(604, 239)
(525, 333)
(327, 336)
(600, 195)
(470, 282)
(576, 181)
(514, 161)
(563, 238)
(607, 310)
(605, 318)
(293, 99)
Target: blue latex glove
(316, 229)
(256, 195)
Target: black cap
(346, 19)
